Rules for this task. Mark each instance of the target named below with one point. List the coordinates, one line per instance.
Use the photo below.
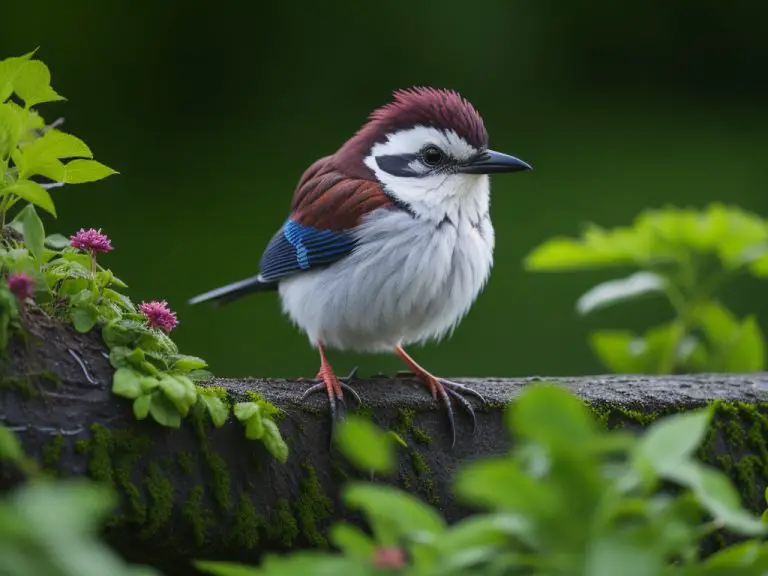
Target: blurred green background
(211, 111)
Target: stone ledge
(202, 492)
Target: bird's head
(429, 150)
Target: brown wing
(327, 199)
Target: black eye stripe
(398, 164)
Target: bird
(388, 241)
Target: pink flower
(91, 240)
(158, 315)
(22, 285)
(389, 558)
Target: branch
(203, 492)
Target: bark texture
(202, 492)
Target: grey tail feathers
(235, 290)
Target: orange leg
(445, 391)
(334, 386)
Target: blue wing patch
(296, 248)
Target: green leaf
(743, 559)
(412, 517)
(122, 332)
(186, 363)
(163, 411)
(352, 541)
(10, 447)
(551, 416)
(217, 568)
(141, 406)
(33, 231)
(273, 440)
(120, 299)
(149, 384)
(499, 483)
(33, 84)
(245, 410)
(84, 317)
(746, 352)
(57, 241)
(34, 193)
(620, 351)
(8, 70)
(200, 375)
(736, 346)
(178, 392)
(10, 129)
(561, 254)
(672, 440)
(126, 382)
(216, 407)
(615, 291)
(363, 444)
(718, 496)
(485, 530)
(81, 171)
(254, 427)
(627, 552)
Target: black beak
(490, 162)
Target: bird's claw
(448, 390)
(336, 402)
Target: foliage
(258, 419)
(685, 255)
(69, 282)
(570, 498)
(28, 147)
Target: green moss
(420, 466)
(112, 456)
(218, 391)
(276, 413)
(420, 435)
(364, 411)
(160, 507)
(245, 532)
(426, 484)
(99, 448)
(405, 417)
(312, 508)
(51, 377)
(427, 488)
(186, 462)
(742, 430)
(195, 514)
(220, 477)
(282, 526)
(22, 384)
(52, 453)
(405, 426)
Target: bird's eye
(432, 156)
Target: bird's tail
(235, 290)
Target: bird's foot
(335, 387)
(446, 392)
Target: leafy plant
(62, 275)
(686, 256)
(570, 498)
(28, 147)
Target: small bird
(389, 240)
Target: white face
(417, 167)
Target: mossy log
(203, 492)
